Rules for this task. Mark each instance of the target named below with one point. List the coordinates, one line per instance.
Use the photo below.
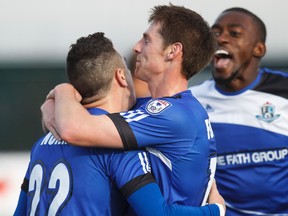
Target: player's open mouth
(222, 58)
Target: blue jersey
(66, 180)
(71, 180)
(177, 133)
(251, 130)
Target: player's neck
(167, 88)
(105, 104)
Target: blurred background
(35, 37)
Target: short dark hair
(259, 24)
(180, 24)
(90, 66)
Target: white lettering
(221, 161)
(284, 153)
(49, 139)
(255, 157)
(258, 157)
(233, 159)
(134, 115)
(210, 132)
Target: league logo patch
(157, 106)
(268, 113)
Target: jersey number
(59, 180)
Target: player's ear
(173, 51)
(121, 77)
(259, 50)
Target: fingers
(54, 132)
(48, 118)
(51, 95)
(78, 96)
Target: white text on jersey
(210, 132)
(49, 139)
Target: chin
(221, 75)
(224, 77)
(221, 80)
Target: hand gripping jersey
(67, 180)
(177, 133)
(251, 130)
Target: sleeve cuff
(221, 209)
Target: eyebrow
(229, 25)
(145, 35)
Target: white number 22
(60, 173)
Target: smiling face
(236, 60)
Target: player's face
(236, 36)
(150, 54)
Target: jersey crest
(268, 113)
(155, 107)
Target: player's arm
(148, 200)
(22, 200)
(74, 124)
(130, 171)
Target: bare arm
(73, 122)
(48, 120)
(215, 197)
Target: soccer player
(248, 108)
(173, 125)
(69, 180)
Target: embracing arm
(73, 122)
(148, 200)
(145, 198)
